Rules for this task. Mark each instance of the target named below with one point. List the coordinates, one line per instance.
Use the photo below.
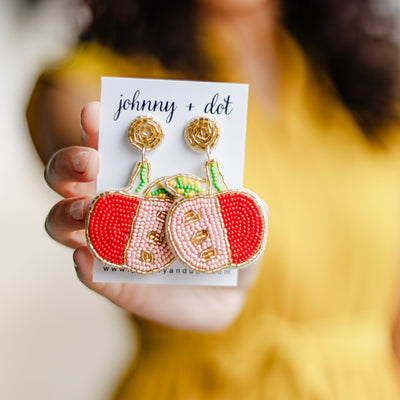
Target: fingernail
(75, 265)
(80, 161)
(76, 210)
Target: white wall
(58, 340)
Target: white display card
(173, 103)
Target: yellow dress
(317, 323)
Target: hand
(72, 173)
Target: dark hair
(134, 27)
(350, 40)
(354, 42)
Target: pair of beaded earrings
(146, 225)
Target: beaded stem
(213, 171)
(214, 176)
(139, 178)
(143, 175)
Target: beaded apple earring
(125, 228)
(222, 229)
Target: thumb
(90, 119)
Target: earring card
(173, 104)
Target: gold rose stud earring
(125, 228)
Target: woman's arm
(53, 113)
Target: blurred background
(58, 340)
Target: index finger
(73, 171)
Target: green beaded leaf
(182, 185)
(160, 192)
(155, 189)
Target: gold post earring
(222, 228)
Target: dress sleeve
(65, 87)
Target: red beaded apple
(218, 230)
(126, 228)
